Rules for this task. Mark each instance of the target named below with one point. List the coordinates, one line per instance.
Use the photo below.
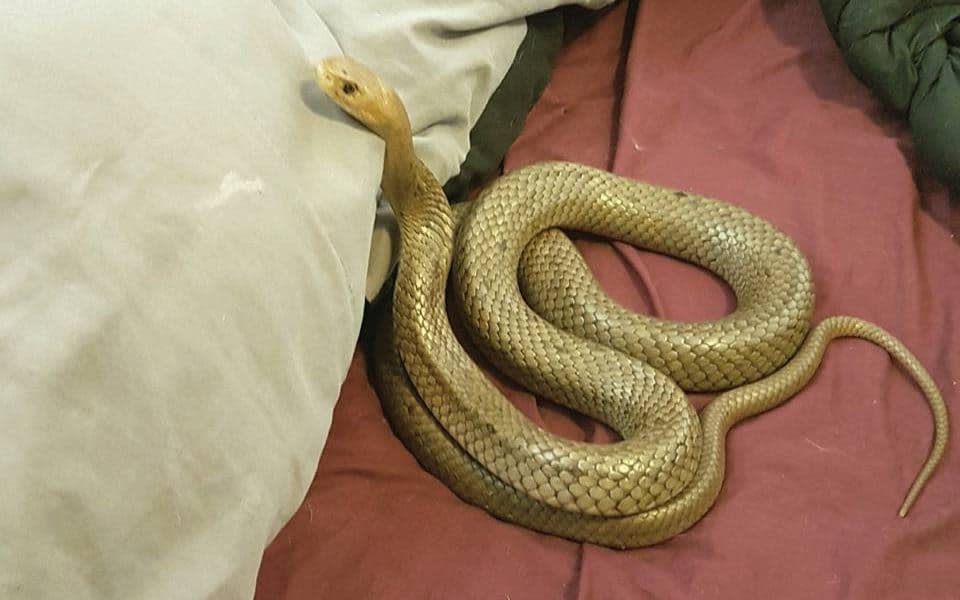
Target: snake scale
(530, 305)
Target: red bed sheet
(748, 102)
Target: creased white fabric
(183, 245)
(185, 230)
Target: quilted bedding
(908, 52)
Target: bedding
(908, 52)
(186, 234)
(504, 115)
(750, 102)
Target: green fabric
(504, 116)
(908, 53)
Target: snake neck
(426, 237)
(424, 216)
(403, 173)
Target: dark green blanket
(908, 52)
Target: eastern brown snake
(579, 348)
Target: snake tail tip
(907, 504)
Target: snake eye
(349, 88)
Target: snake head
(361, 94)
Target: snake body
(578, 347)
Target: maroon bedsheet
(748, 102)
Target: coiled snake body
(585, 351)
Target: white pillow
(183, 246)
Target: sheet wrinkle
(640, 277)
(572, 589)
(634, 260)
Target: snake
(530, 306)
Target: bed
(749, 102)
(192, 245)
